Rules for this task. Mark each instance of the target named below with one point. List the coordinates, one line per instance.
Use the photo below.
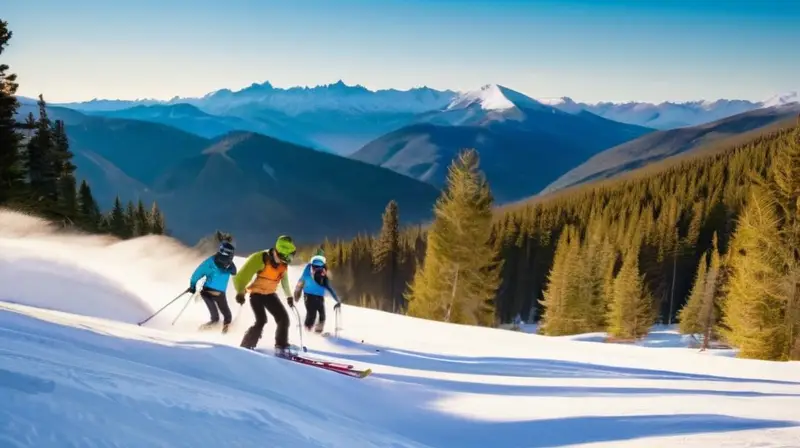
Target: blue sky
(590, 50)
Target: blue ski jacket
(310, 286)
(216, 275)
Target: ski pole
(336, 329)
(299, 328)
(183, 309)
(163, 308)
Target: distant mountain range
(523, 144)
(324, 161)
(341, 118)
(660, 145)
(251, 185)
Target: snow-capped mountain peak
(782, 99)
(563, 103)
(494, 97)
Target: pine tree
(596, 267)
(62, 165)
(710, 311)
(116, 221)
(563, 310)
(40, 164)
(762, 310)
(157, 225)
(141, 220)
(12, 174)
(690, 320)
(460, 273)
(386, 253)
(630, 314)
(88, 211)
(131, 227)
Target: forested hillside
(618, 257)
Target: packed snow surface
(76, 370)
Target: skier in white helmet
(313, 283)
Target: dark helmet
(225, 252)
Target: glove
(240, 298)
(191, 290)
(337, 306)
(290, 301)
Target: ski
(344, 369)
(325, 363)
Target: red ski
(343, 369)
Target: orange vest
(266, 281)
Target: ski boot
(250, 339)
(208, 325)
(225, 328)
(318, 328)
(283, 351)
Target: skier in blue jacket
(313, 283)
(216, 269)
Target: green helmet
(285, 248)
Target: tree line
(712, 243)
(37, 175)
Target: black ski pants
(314, 304)
(216, 299)
(261, 303)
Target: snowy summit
(494, 97)
(782, 99)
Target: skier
(270, 268)
(216, 269)
(313, 283)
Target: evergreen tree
(563, 310)
(62, 165)
(710, 311)
(595, 271)
(116, 221)
(630, 314)
(88, 211)
(762, 309)
(41, 162)
(690, 320)
(141, 220)
(131, 227)
(12, 174)
(386, 253)
(157, 225)
(459, 276)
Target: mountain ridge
(665, 144)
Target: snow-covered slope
(494, 97)
(670, 115)
(298, 100)
(782, 99)
(666, 115)
(81, 374)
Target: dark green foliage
(673, 214)
(11, 173)
(386, 253)
(88, 211)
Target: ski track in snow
(75, 370)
